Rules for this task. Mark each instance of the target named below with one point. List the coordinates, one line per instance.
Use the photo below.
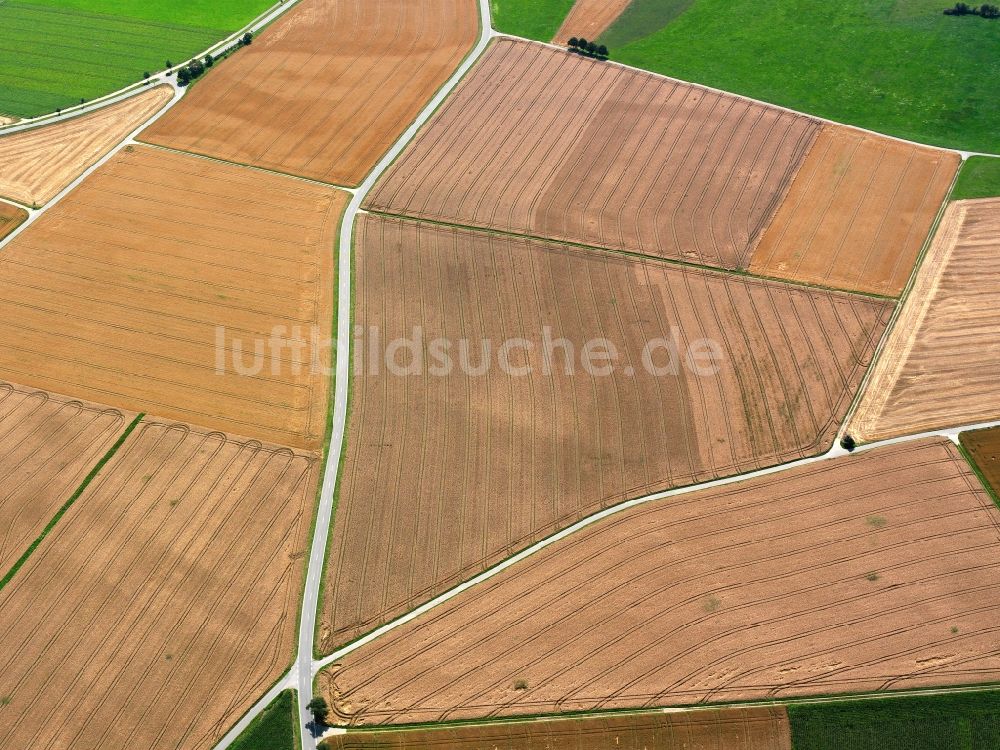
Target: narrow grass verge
(275, 728)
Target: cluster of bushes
(983, 11)
(588, 49)
(196, 67)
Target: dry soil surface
(326, 89)
(164, 602)
(542, 142)
(451, 468)
(984, 447)
(183, 287)
(48, 444)
(858, 212)
(939, 366)
(870, 572)
(589, 19)
(36, 164)
(11, 217)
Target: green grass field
(979, 178)
(273, 729)
(534, 19)
(968, 721)
(895, 66)
(55, 52)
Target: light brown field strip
(939, 366)
(160, 285)
(764, 728)
(36, 164)
(857, 213)
(449, 470)
(326, 89)
(589, 19)
(542, 142)
(11, 217)
(48, 444)
(870, 572)
(166, 599)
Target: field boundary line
(126, 92)
(285, 682)
(705, 87)
(255, 168)
(740, 272)
(19, 563)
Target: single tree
(581, 43)
(247, 38)
(209, 60)
(318, 708)
(847, 443)
(573, 41)
(146, 75)
(602, 51)
(183, 77)
(169, 64)
(591, 48)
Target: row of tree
(983, 11)
(588, 49)
(196, 67)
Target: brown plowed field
(165, 600)
(48, 444)
(11, 217)
(870, 572)
(542, 142)
(118, 294)
(984, 447)
(447, 473)
(325, 90)
(589, 19)
(36, 164)
(764, 728)
(939, 367)
(857, 213)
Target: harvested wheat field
(11, 217)
(170, 284)
(984, 448)
(450, 469)
(36, 164)
(763, 728)
(589, 19)
(858, 212)
(325, 90)
(938, 368)
(165, 601)
(869, 572)
(542, 142)
(48, 445)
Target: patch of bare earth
(542, 142)
(164, 601)
(869, 572)
(162, 285)
(938, 368)
(11, 217)
(325, 90)
(984, 448)
(450, 469)
(48, 444)
(857, 213)
(36, 164)
(763, 728)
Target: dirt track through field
(939, 366)
(446, 472)
(48, 444)
(11, 217)
(36, 164)
(863, 573)
(326, 89)
(857, 213)
(764, 728)
(542, 142)
(589, 19)
(123, 289)
(164, 601)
